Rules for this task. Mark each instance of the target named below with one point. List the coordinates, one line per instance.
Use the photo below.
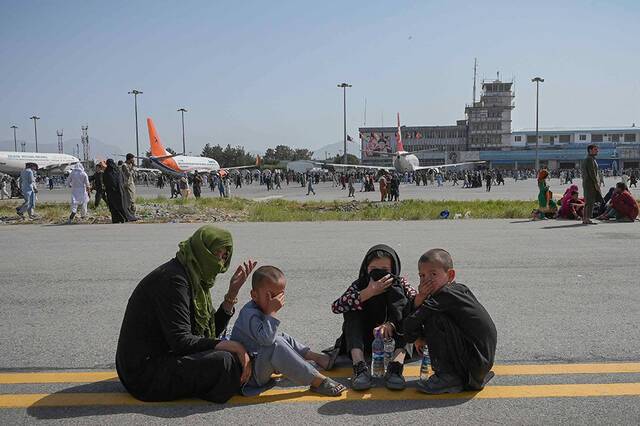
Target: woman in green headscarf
(169, 345)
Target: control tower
(489, 119)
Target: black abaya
(459, 333)
(113, 188)
(158, 357)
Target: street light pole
(35, 129)
(15, 141)
(537, 80)
(344, 102)
(182, 111)
(135, 94)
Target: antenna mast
(365, 113)
(85, 143)
(60, 145)
(475, 72)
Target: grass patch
(283, 211)
(280, 210)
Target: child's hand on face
(275, 303)
(426, 287)
(379, 287)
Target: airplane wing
(58, 166)
(159, 158)
(239, 167)
(355, 166)
(440, 166)
(256, 165)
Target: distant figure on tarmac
(78, 181)
(4, 181)
(590, 183)
(310, 185)
(98, 184)
(129, 185)
(175, 350)
(29, 190)
(114, 190)
(623, 208)
(183, 185)
(352, 189)
(197, 185)
(382, 182)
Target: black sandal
(329, 387)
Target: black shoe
(393, 378)
(440, 383)
(361, 379)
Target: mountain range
(331, 150)
(97, 148)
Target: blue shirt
(253, 329)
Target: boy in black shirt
(457, 330)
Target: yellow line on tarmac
(409, 371)
(303, 395)
(530, 369)
(57, 377)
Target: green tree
(302, 154)
(228, 157)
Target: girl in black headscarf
(113, 187)
(377, 301)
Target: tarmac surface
(564, 298)
(512, 190)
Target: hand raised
(240, 276)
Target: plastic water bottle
(377, 356)
(425, 364)
(389, 349)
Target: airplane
(179, 164)
(403, 161)
(12, 163)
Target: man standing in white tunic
(79, 184)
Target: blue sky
(262, 73)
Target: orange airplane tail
(399, 144)
(157, 149)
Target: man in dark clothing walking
(98, 184)
(590, 183)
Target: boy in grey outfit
(272, 352)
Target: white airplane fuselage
(13, 163)
(181, 164)
(403, 162)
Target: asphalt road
(557, 291)
(512, 190)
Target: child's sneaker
(361, 379)
(393, 378)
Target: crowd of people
(182, 348)
(115, 185)
(618, 203)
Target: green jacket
(590, 181)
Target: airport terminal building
(486, 134)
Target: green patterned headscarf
(197, 255)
